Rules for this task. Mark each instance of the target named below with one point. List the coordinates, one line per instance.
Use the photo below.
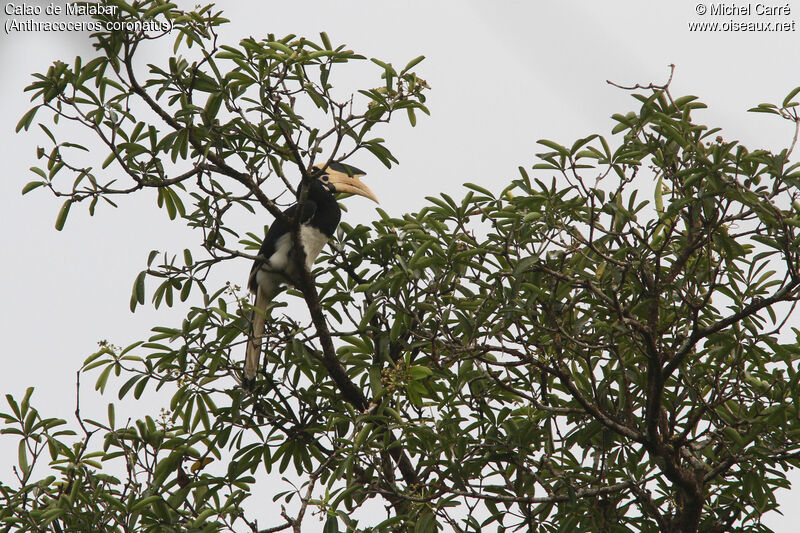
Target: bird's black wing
(279, 227)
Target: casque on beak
(345, 178)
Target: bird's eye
(324, 178)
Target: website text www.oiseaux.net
(735, 25)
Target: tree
(562, 355)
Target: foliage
(566, 354)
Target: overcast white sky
(503, 74)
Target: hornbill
(275, 263)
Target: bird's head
(339, 177)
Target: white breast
(281, 262)
(313, 241)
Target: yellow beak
(345, 178)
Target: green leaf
(276, 45)
(152, 12)
(412, 118)
(31, 186)
(49, 516)
(411, 64)
(681, 101)
(478, 188)
(212, 107)
(331, 525)
(562, 150)
(765, 108)
(166, 194)
(146, 502)
(62, 215)
(137, 295)
(426, 523)
(792, 94)
(325, 40)
(26, 120)
(22, 457)
(102, 379)
(386, 66)
(419, 372)
(659, 196)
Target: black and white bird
(276, 265)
